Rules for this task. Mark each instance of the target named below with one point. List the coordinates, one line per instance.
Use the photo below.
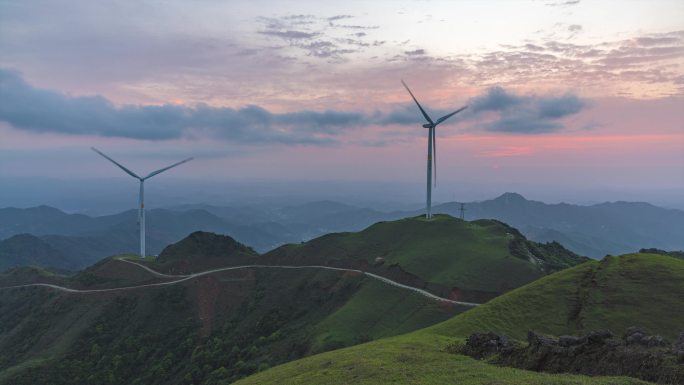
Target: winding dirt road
(182, 278)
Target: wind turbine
(141, 212)
(432, 148)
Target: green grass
(30, 274)
(444, 250)
(416, 358)
(244, 320)
(378, 310)
(643, 290)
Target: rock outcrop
(600, 352)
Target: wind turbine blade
(445, 117)
(129, 172)
(419, 106)
(153, 173)
(434, 153)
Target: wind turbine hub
(427, 125)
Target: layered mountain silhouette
(79, 240)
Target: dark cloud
(339, 17)
(575, 28)
(290, 34)
(325, 49)
(353, 42)
(299, 17)
(330, 122)
(39, 110)
(354, 26)
(406, 114)
(558, 107)
(660, 40)
(495, 99)
(648, 59)
(499, 110)
(525, 114)
(524, 125)
(563, 3)
(533, 47)
(318, 37)
(415, 52)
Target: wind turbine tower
(141, 210)
(432, 149)
(462, 211)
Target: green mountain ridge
(632, 290)
(22, 249)
(469, 261)
(644, 290)
(223, 326)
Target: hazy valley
(74, 241)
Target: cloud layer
(38, 110)
(526, 114)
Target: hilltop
(202, 251)
(451, 257)
(618, 292)
(26, 250)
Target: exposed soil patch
(218, 294)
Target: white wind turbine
(141, 212)
(432, 148)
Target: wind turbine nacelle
(427, 125)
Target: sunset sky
(570, 96)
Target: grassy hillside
(31, 274)
(596, 230)
(618, 292)
(224, 326)
(375, 311)
(26, 249)
(218, 327)
(410, 359)
(202, 251)
(459, 258)
(637, 289)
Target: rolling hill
(222, 326)
(636, 289)
(596, 230)
(77, 240)
(26, 249)
(472, 261)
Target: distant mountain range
(606, 228)
(72, 241)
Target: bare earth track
(182, 278)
